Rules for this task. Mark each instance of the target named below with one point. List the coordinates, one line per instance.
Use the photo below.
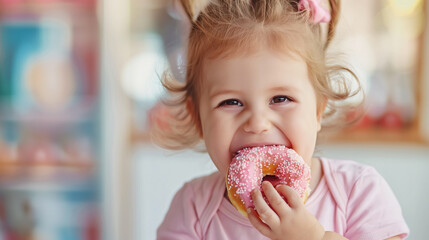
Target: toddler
(257, 75)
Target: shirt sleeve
(181, 221)
(373, 212)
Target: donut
(277, 164)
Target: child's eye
(230, 102)
(280, 99)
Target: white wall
(159, 174)
(114, 17)
(405, 168)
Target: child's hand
(284, 219)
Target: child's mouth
(251, 146)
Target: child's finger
(257, 223)
(292, 198)
(276, 201)
(265, 212)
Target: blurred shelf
(47, 164)
(80, 166)
(38, 119)
(58, 186)
(366, 135)
(45, 176)
(44, 6)
(73, 115)
(379, 135)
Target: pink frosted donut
(278, 164)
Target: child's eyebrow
(274, 89)
(223, 92)
(285, 89)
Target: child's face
(265, 98)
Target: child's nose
(257, 123)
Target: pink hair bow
(317, 12)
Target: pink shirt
(351, 199)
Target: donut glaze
(249, 167)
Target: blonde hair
(222, 28)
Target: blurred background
(79, 82)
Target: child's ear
(195, 117)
